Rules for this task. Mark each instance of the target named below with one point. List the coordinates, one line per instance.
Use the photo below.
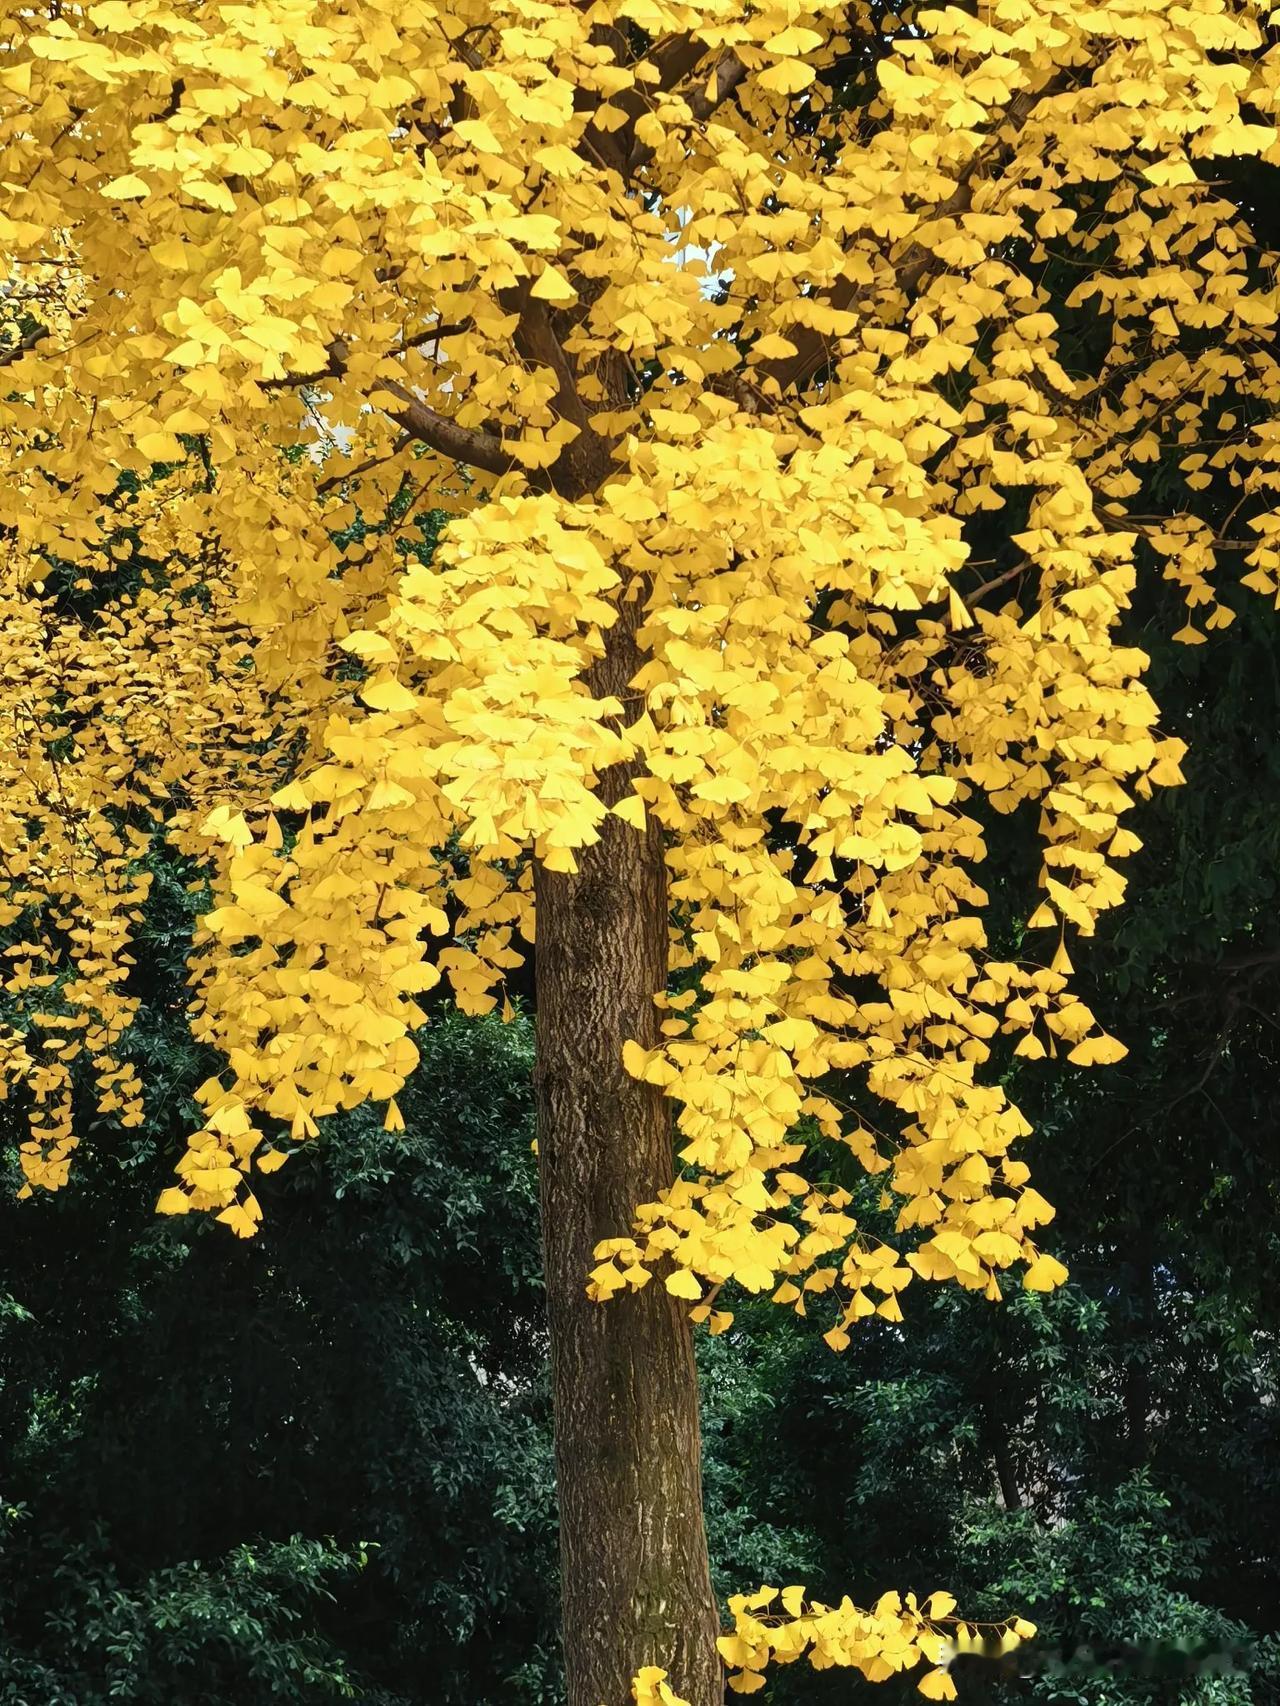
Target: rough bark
(635, 1584)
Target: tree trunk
(635, 1585)
(1005, 1473)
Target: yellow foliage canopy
(578, 273)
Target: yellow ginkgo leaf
(1044, 1274)
(937, 1685)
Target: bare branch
(297, 381)
(971, 599)
(433, 335)
(328, 484)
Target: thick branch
(611, 147)
(583, 463)
(674, 63)
(461, 444)
(536, 342)
(728, 74)
(476, 449)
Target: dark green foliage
(178, 1408)
(245, 1627)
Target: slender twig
(371, 462)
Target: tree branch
(454, 329)
(970, 599)
(727, 75)
(461, 444)
(25, 343)
(339, 354)
(1246, 962)
(675, 62)
(483, 450)
(332, 480)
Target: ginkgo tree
(805, 384)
